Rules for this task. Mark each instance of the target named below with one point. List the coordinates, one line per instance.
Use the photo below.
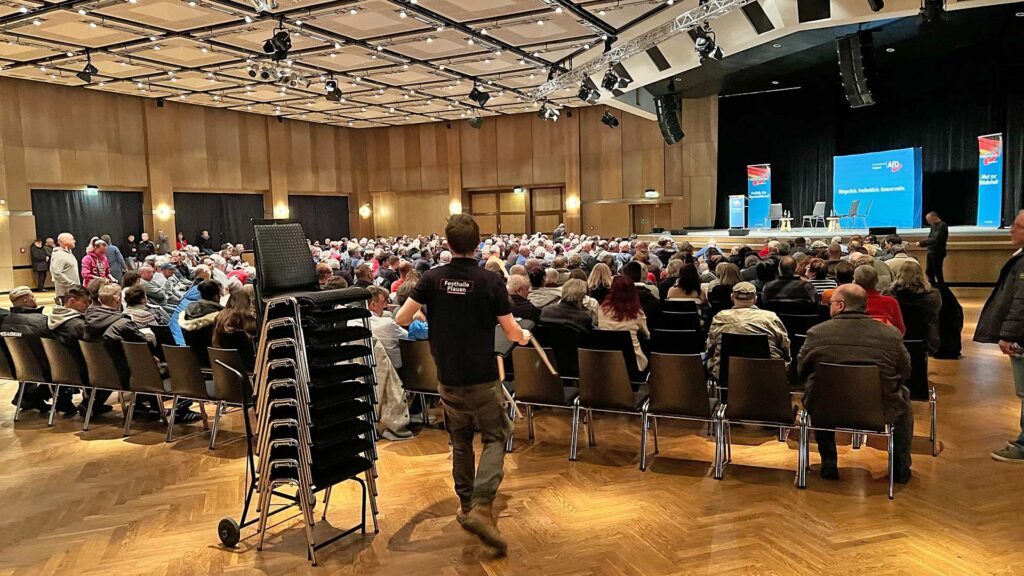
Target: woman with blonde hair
(727, 275)
(600, 281)
(919, 303)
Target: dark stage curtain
(941, 105)
(321, 216)
(228, 217)
(86, 215)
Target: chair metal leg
(202, 413)
(575, 430)
(131, 412)
(590, 429)
(933, 401)
(856, 441)
(216, 424)
(728, 443)
(654, 428)
(643, 441)
(891, 464)
(170, 417)
(53, 405)
(88, 410)
(719, 450)
(373, 505)
(426, 412)
(802, 453)
(529, 421)
(327, 501)
(17, 403)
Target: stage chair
(536, 386)
(418, 372)
(605, 387)
(145, 379)
(188, 381)
(863, 217)
(852, 213)
(679, 391)
(846, 399)
(28, 369)
(774, 214)
(677, 341)
(921, 390)
(758, 396)
(817, 215)
(103, 375)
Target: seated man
(844, 275)
(26, 320)
(138, 308)
(167, 281)
(876, 345)
(518, 291)
(364, 276)
(789, 287)
(544, 287)
(570, 311)
(383, 327)
(883, 308)
(67, 322)
(746, 318)
(153, 292)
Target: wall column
(454, 143)
(158, 197)
(573, 222)
(275, 200)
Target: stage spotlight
(588, 92)
(705, 43)
(609, 120)
(612, 81)
(265, 73)
(87, 73)
(479, 96)
(476, 122)
(278, 45)
(932, 10)
(251, 70)
(546, 113)
(331, 90)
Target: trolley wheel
(228, 532)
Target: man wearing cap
(746, 318)
(64, 265)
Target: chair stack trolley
(314, 398)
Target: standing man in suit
(936, 245)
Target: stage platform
(975, 254)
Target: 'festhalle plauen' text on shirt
(457, 287)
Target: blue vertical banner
(990, 180)
(759, 194)
(736, 211)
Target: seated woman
(687, 286)
(919, 304)
(600, 281)
(621, 310)
(570, 311)
(719, 294)
(235, 327)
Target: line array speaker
(667, 107)
(854, 66)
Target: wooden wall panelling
(600, 157)
(433, 142)
(277, 165)
(549, 148)
(453, 141)
(420, 212)
(355, 141)
(643, 156)
(514, 148)
(404, 156)
(378, 161)
(700, 158)
(571, 142)
(479, 154)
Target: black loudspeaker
(679, 232)
(667, 107)
(854, 66)
(876, 5)
(739, 232)
(811, 10)
(658, 230)
(881, 231)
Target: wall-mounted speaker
(667, 108)
(854, 66)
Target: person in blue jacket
(201, 272)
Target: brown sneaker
(462, 514)
(480, 522)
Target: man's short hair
(633, 271)
(550, 277)
(110, 295)
(336, 283)
(209, 290)
(78, 293)
(364, 272)
(749, 261)
(516, 283)
(866, 277)
(463, 233)
(573, 292)
(844, 273)
(787, 265)
(536, 277)
(377, 292)
(135, 295)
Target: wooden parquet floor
(94, 503)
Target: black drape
(941, 104)
(86, 215)
(322, 217)
(228, 217)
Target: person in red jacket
(95, 264)
(882, 308)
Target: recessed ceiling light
(600, 12)
(558, 10)
(82, 12)
(1019, 14)
(248, 107)
(776, 45)
(70, 54)
(204, 49)
(337, 45)
(405, 66)
(670, 2)
(429, 39)
(333, 55)
(23, 9)
(152, 38)
(775, 82)
(248, 19)
(586, 46)
(402, 14)
(192, 3)
(470, 41)
(37, 22)
(540, 22)
(483, 31)
(890, 50)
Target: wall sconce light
(365, 211)
(572, 202)
(455, 207)
(651, 193)
(281, 211)
(163, 212)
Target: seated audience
(544, 287)
(384, 327)
(880, 307)
(877, 345)
(235, 327)
(648, 299)
(746, 318)
(364, 276)
(26, 320)
(767, 271)
(727, 275)
(570, 311)
(404, 268)
(687, 285)
(844, 275)
(817, 272)
(518, 291)
(600, 281)
(789, 287)
(919, 303)
(669, 277)
(67, 322)
(881, 268)
(202, 314)
(621, 310)
(898, 258)
(138, 308)
(324, 273)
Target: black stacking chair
(676, 341)
(535, 385)
(758, 396)
(921, 390)
(65, 370)
(740, 346)
(671, 320)
(418, 372)
(564, 343)
(145, 378)
(679, 391)
(605, 387)
(799, 323)
(187, 381)
(6, 364)
(226, 390)
(29, 367)
(847, 399)
(619, 340)
(682, 306)
(103, 375)
(199, 341)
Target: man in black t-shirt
(463, 303)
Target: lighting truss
(686, 21)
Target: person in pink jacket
(95, 264)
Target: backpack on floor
(951, 324)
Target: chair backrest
(740, 346)
(100, 365)
(854, 206)
(679, 306)
(678, 385)
(604, 381)
(918, 382)
(759, 391)
(867, 211)
(848, 397)
(799, 323)
(418, 373)
(819, 210)
(200, 341)
(283, 263)
(186, 376)
(677, 341)
(163, 334)
(533, 381)
(27, 366)
(680, 320)
(242, 344)
(774, 211)
(145, 376)
(64, 369)
(6, 364)
(620, 340)
(226, 385)
(563, 342)
(791, 307)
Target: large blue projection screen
(888, 185)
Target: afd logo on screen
(893, 166)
